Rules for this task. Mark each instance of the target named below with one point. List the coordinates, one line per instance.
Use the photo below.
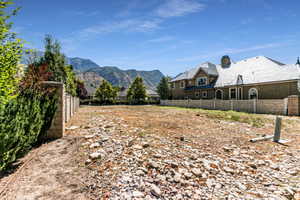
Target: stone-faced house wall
(278, 90)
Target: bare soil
(57, 170)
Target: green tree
(106, 94)
(163, 88)
(11, 50)
(70, 80)
(136, 93)
(57, 65)
(55, 60)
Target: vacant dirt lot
(151, 152)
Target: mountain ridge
(92, 74)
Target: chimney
(298, 62)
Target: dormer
(206, 73)
(201, 81)
(239, 80)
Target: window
(219, 94)
(182, 84)
(197, 94)
(232, 93)
(190, 82)
(204, 94)
(201, 81)
(253, 93)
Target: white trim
(250, 91)
(238, 93)
(197, 82)
(222, 94)
(233, 88)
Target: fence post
(285, 107)
(294, 105)
(214, 104)
(231, 104)
(254, 105)
(57, 128)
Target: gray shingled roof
(207, 67)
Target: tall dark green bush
(24, 121)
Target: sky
(170, 35)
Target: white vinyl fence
(267, 106)
(71, 106)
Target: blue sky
(169, 35)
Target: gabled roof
(253, 70)
(258, 69)
(207, 67)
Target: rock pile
(138, 166)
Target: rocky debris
(72, 127)
(155, 191)
(151, 167)
(88, 161)
(94, 145)
(97, 155)
(145, 144)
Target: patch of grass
(142, 134)
(253, 119)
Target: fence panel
(268, 106)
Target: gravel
(129, 166)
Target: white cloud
(129, 25)
(82, 13)
(161, 39)
(175, 8)
(231, 51)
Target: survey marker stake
(277, 132)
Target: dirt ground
(58, 169)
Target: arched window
(253, 93)
(219, 94)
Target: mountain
(91, 81)
(81, 65)
(92, 74)
(117, 77)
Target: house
(258, 77)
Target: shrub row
(23, 122)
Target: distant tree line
(136, 93)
